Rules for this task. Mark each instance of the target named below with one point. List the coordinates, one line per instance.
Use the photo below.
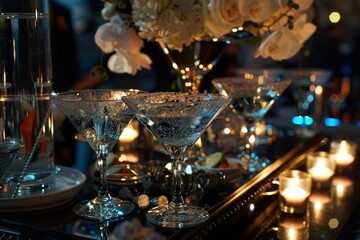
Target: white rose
(279, 45)
(221, 16)
(258, 10)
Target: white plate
(68, 183)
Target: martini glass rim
(58, 96)
(208, 97)
(264, 81)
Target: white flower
(221, 16)
(279, 45)
(303, 30)
(304, 4)
(285, 43)
(178, 23)
(175, 22)
(258, 10)
(119, 37)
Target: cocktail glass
(100, 116)
(177, 120)
(251, 98)
(305, 82)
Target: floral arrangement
(281, 25)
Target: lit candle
(294, 196)
(128, 135)
(344, 151)
(343, 158)
(321, 166)
(321, 173)
(294, 189)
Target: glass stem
(177, 183)
(103, 230)
(251, 138)
(101, 160)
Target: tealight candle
(344, 151)
(321, 165)
(321, 174)
(294, 189)
(294, 196)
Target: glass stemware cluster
(252, 97)
(176, 119)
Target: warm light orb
(334, 17)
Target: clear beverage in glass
(25, 88)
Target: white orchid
(284, 43)
(116, 36)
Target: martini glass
(251, 99)
(305, 83)
(100, 116)
(177, 120)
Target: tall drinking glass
(25, 88)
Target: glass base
(177, 216)
(103, 208)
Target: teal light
(332, 122)
(300, 120)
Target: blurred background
(334, 46)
